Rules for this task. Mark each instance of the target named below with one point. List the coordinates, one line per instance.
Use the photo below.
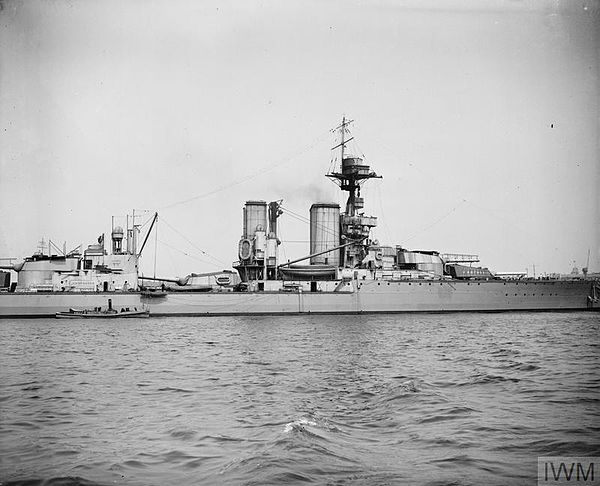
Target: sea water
(382, 399)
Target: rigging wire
(305, 220)
(283, 241)
(439, 220)
(295, 215)
(171, 260)
(150, 218)
(385, 226)
(187, 254)
(221, 262)
(256, 174)
(354, 148)
(506, 221)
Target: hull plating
(367, 297)
(48, 304)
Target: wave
(298, 425)
(183, 434)
(522, 366)
(486, 379)
(450, 414)
(327, 400)
(173, 389)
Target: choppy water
(404, 399)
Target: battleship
(345, 272)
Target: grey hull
(26, 304)
(358, 297)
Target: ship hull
(38, 304)
(390, 297)
(355, 298)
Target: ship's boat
(109, 312)
(309, 272)
(99, 313)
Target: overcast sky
(482, 117)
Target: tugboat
(99, 312)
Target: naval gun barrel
(17, 267)
(180, 281)
(184, 280)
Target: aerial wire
(221, 262)
(187, 254)
(305, 220)
(256, 174)
(385, 226)
(439, 220)
(283, 241)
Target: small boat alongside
(103, 314)
(99, 312)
